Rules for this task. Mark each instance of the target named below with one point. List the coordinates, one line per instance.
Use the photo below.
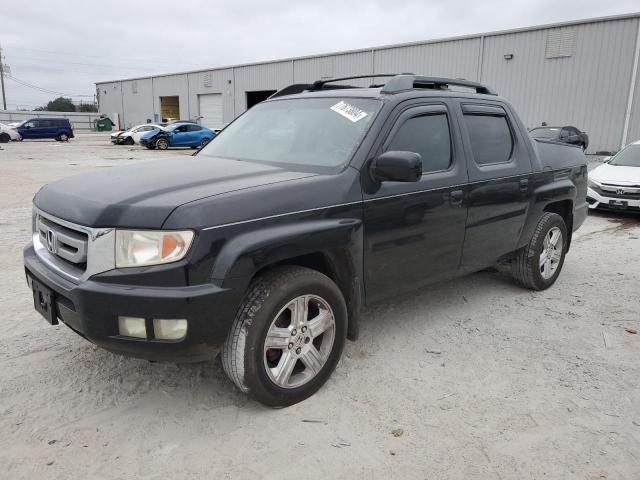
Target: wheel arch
(555, 197)
(332, 247)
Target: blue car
(178, 135)
(58, 128)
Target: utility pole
(4, 96)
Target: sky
(68, 48)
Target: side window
(427, 135)
(44, 123)
(195, 128)
(182, 128)
(490, 136)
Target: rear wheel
(287, 337)
(204, 142)
(63, 137)
(538, 265)
(4, 137)
(162, 144)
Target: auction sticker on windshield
(349, 111)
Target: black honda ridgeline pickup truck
(314, 202)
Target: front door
(413, 232)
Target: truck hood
(143, 195)
(616, 174)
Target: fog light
(132, 327)
(169, 329)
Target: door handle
(455, 197)
(524, 184)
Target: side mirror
(397, 166)
(606, 159)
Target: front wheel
(538, 265)
(4, 137)
(287, 337)
(162, 144)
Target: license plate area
(44, 301)
(618, 203)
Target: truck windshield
(628, 157)
(317, 134)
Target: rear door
(195, 135)
(500, 182)
(413, 232)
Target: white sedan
(616, 183)
(8, 133)
(131, 136)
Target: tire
(63, 137)
(20, 138)
(128, 141)
(528, 267)
(204, 142)
(300, 362)
(4, 137)
(162, 143)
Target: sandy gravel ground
(478, 378)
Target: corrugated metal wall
(587, 89)
(576, 74)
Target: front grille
(64, 243)
(612, 191)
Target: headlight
(592, 183)
(137, 248)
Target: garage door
(211, 110)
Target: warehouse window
(561, 42)
(429, 136)
(490, 137)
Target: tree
(60, 104)
(88, 107)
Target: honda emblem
(620, 191)
(52, 241)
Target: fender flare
(340, 241)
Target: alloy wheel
(299, 341)
(551, 253)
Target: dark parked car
(568, 134)
(179, 134)
(303, 209)
(57, 128)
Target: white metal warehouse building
(582, 73)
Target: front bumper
(599, 200)
(91, 308)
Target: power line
(104, 57)
(113, 66)
(45, 90)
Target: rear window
(490, 137)
(549, 133)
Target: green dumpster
(103, 124)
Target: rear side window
(195, 128)
(44, 123)
(490, 136)
(429, 136)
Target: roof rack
(397, 83)
(403, 82)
